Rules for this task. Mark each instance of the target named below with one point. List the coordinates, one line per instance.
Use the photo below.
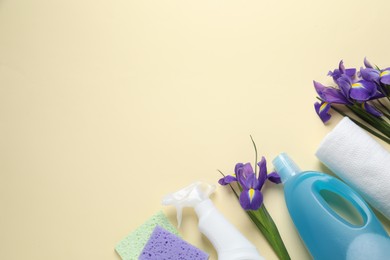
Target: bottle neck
(285, 167)
(204, 207)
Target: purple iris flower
(337, 73)
(376, 75)
(348, 91)
(330, 94)
(231, 178)
(361, 90)
(251, 197)
(353, 89)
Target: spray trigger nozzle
(189, 196)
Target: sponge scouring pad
(131, 246)
(163, 245)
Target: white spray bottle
(229, 243)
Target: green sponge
(132, 245)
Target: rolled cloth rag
(360, 161)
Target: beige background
(106, 106)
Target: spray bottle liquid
(229, 243)
(312, 199)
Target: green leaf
(264, 222)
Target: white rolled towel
(360, 161)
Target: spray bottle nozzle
(189, 196)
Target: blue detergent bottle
(350, 232)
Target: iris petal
(251, 199)
(262, 172)
(243, 172)
(363, 90)
(227, 180)
(247, 181)
(351, 73)
(367, 63)
(322, 110)
(335, 74)
(329, 94)
(252, 181)
(319, 88)
(385, 77)
(370, 74)
(341, 67)
(274, 177)
(342, 71)
(372, 110)
(344, 84)
(247, 170)
(237, 167)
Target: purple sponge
(164, 245)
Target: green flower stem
(376, 122)
(385, 90)
(383, 106)
(264, 222)
(254, 145)
(380, 136)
